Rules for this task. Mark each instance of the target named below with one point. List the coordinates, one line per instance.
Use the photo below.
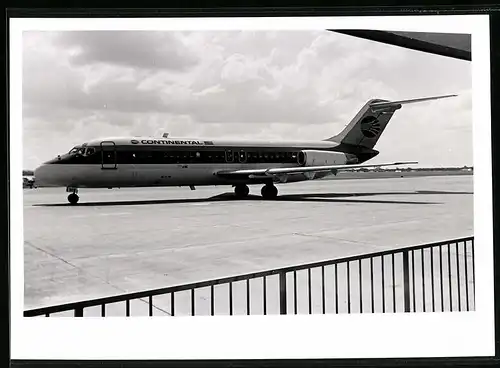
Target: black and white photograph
(181, 176)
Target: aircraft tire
(269, 191)
(241, 191)
(73, 198)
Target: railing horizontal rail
(80, 305)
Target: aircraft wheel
(73, 198)
(269, 191)
(241, 191)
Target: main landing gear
(73, 197)
(241, 190)
(269, 191)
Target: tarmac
(125, 240)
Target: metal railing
(431, 277)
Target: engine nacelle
(320, 158)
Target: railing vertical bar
(295, 292)
(323, 288)
(212, 301)
(172, 304)
(248, 297)
(360, 287)
(466, 276)
(406, 281)
(348, 288)
(230, 298)
(192, 302)
(282, 286)
(127, 307)
(103, 310)
(413, 279)
(432, 280)
(383, 284)
(473, 272)
(458, 277)
(393, 285)
(336, 291)
(441, 276)
(422, 255)
(309, 289)
(265, 295)
(79, 312)
(371, 285)
(449, 276)
(150, 305)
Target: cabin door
(108, 155)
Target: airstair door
(108, 155)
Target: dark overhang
(454, 45)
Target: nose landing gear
(73, 197)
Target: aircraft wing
(303, 169)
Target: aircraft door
(108, 155)
(229, 156)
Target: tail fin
(369, 124)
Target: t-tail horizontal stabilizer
(381, 106)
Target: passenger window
(229, 156)
(242, 156)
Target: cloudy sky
(293, 85)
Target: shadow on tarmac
(305, 197)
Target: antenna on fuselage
(165, 135)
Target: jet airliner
(147, 161)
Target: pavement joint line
(330, 237)
(88, 273)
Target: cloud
(278, 85)
(136, 49)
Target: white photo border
(265, 337)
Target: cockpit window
(77, 150)
(90, 151)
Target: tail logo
(370, 126)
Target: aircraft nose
(40, 175)
(44, 177)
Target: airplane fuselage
(144, 161)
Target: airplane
(151, 162)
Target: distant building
(28, 182)
(28, 179)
